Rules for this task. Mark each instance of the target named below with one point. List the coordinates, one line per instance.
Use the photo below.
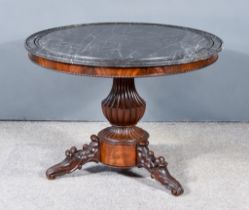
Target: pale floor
(211, 160)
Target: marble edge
(33, 48)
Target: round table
(122, 51)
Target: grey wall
(219, 92)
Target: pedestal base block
(118, 145)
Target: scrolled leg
(157, 166)
(76, 158)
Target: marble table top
(123, 44)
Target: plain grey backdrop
(216, 93)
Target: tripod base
(123, 144)
(122, 154)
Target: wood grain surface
(122, 72)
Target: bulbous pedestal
(123, 108)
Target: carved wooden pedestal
(123, 144)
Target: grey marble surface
(123, 44)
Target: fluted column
(123, 106)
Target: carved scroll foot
(157, 166)
(76, 158)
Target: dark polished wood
(157, 166)
(75, 159)
(118, 145)
(122, 72)
(123, 144)
(123, 106)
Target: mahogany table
(122, 51)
